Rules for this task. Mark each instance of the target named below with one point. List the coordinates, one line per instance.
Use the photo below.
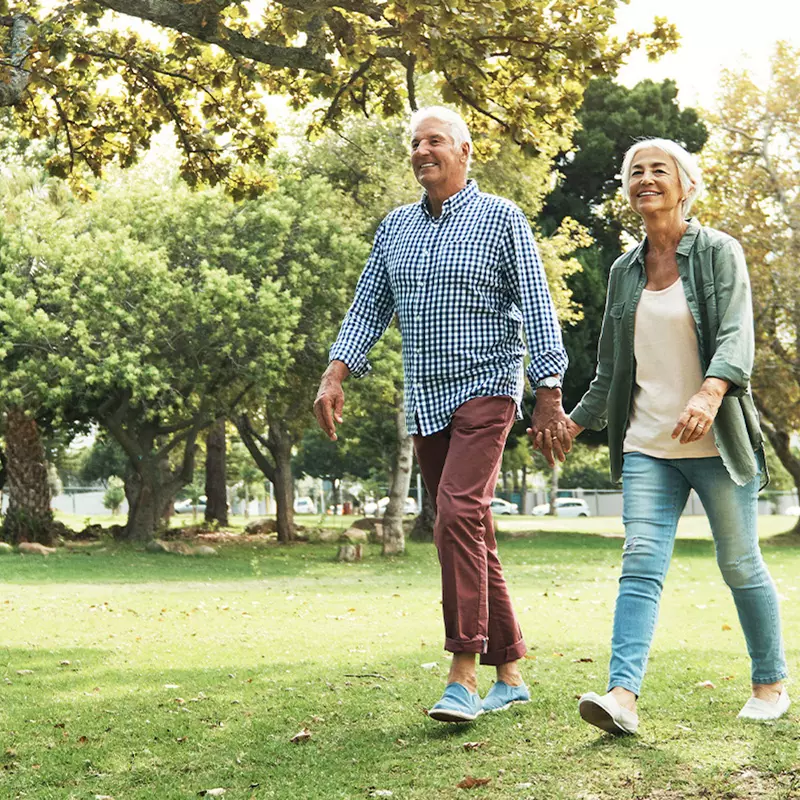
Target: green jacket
(714, 274)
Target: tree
(611, 117)
(114, 495)
(319, 258)
(98, 323)
(203, 67)
(753, 174)
(216, 481)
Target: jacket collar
(684, 245)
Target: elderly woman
(672, 384)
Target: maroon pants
(459, 466)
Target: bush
(115, 494)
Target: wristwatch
(550, 382)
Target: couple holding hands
(461, 270)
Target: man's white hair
(688, 170)
(456, 126)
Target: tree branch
(197, 20)
(19, 47)
(249, 437)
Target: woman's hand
(573, 429)
(700, 411)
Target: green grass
(189, 674)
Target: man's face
(436, 161)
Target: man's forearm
(337, 370)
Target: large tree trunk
(781, 442)
(150, 491)
(393, 534)
(273, 456)
(29, 517)
(284, 488)
(423, 524)
(216, 481)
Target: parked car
(304, 505)
(188, 507)
(500, 506)
(792, 511)
(565, 507)
(373, 509)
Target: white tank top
(667, 374)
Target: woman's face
(655, 185)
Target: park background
(188, 193)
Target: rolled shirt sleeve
(370, 313)
(529, 290)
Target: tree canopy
(753, 175)
(100, 77)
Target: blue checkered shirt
(463, 286)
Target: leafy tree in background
(100, 87)
(612, 117)
(103, 460)
(114, 495)
(153, 350)
(753, 176)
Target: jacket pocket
(617, 311)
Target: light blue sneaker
(502, 696)
(458, 704)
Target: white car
(304, 505)
(188, 507)
(792, 511)
(500, 506)
(565, 507)
(373, 509)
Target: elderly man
(461, 271)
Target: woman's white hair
(688, 170)
(456, 126)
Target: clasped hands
(551, 431)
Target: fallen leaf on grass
(211, 792)
(470, 783)
(103, 797)
(64, 663)
(171, 686)
(472, 745)
(182, 739)
(585, 660)
(558, 655)
(726, 627)
(301, 736)
(705, 685)
(430, 665)
(381, 793)
(24, 672)
(83, 739)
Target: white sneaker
(607, 714)
(763, 710)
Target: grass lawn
(132, 675)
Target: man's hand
(549, 430)
(700, 411)
(329, 403)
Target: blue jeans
(655, 491)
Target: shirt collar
(684, 245)
(454, 202)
